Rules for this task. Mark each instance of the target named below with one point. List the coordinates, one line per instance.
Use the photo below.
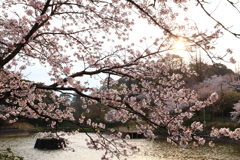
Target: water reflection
(157, 150)
(160, 150)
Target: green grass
(9, 155)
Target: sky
(224, 13)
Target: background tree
(235, 115)
(205, 70)
(226, 102)
(77, 104)
(198, 65)
(227, 88)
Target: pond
(150, 150)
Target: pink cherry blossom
(69, 39)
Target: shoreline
(20, 132)
(208, 138)
(13, 132)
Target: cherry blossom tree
(236, 114)
(69, 38)
(227, 87)
(217, 83)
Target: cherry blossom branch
(172, 35)
(21, 45)
(218, 22)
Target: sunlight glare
(179, 45)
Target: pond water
(156, 150)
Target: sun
(179, 45)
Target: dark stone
(49, 144)
(134, 135)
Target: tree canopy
(71, 39)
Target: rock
(50, 144)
